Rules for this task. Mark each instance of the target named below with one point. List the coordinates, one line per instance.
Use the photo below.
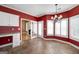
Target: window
(61, 28)
(50, 27)
(57, 29)
(74, 27)
(64, 27)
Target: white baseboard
(5, 45)
(63, 42)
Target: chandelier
(56, 17)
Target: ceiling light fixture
(56, 16)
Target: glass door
(34, 29)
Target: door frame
(22, 19)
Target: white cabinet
(14, 20)
(7, 19)
(16, 39)
(4, 19)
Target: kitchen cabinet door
(14, 20)
(4, 19)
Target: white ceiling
(40, 9)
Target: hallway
(40, 46)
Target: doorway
(25, 30)
(36, 29)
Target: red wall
(8, 29)
(66, 14)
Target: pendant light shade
(60, 17)
(52, 17)
(57, 17)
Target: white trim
(5, 45)
(63, 42)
